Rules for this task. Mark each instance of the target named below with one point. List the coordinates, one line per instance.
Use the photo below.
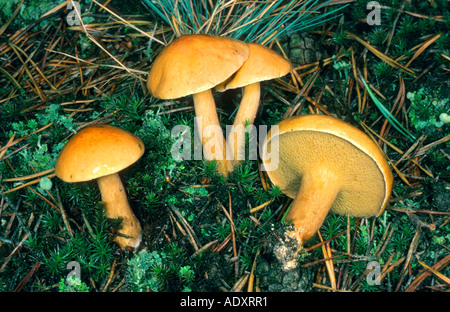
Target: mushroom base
(116, 205)
(312, 203)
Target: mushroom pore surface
(362, 188)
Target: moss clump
(30, 11)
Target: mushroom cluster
(196, 64)
(325, 165)
(321, 162)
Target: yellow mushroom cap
(195, 63)
(262, 64)
(97, 151)
(313, 142)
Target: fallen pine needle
(255, 209)
(329, 288)
(252, 275)
(31, 176)
(27, 184)
(439, 275)
(240, 284)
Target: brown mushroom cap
(195, 63)
(262, 64)
(312, 143)
(97, 151)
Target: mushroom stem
(245, 115)
(213, 140)
(116, 205)
(312, 203)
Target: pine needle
(381, 55)
(439, 275)
(251, 21)
(422, 48)
(387, 114)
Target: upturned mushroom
(100, 152)
(193, 65)
(262, 64)
(325, 165)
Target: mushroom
(193, 65)
(262, 64)
(325, 164)
(100, 152)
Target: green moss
(426, 109)
(160, 271)
(30, 11)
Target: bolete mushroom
(326, 164)
(100, 152)
(262, 64)
(193, 65)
